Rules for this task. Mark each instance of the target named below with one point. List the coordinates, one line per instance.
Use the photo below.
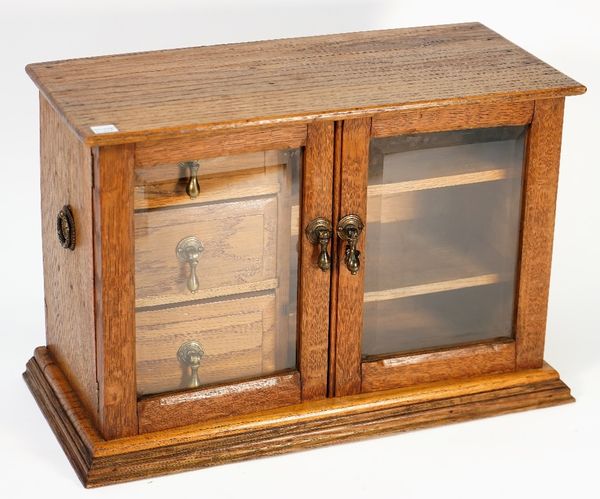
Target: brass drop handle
(319, 231)
(189, 354)
(188, 251)
(349, 229)
(193, 186)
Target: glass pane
(443, 216)
(216, 267)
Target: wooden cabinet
(255, 248)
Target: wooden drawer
(237, 337)
(220, 179)
(239, 250)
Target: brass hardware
(319, 231)
(65, 228)
(189, 354)
(188, 250)
(349, 229)
(193, 186)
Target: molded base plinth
(312, 424)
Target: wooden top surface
(163, 94)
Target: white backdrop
(546, 453)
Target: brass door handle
(349, 229)
(188, 250)
(193, 186)
(189, 354)
(319, 231)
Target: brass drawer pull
(319, 231)
(193, 186)
(349, 229)
(65, 228)
(188, 251)
(189, 354)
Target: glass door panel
(443, 218)
(216, 269)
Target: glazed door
(428, 254)
(220, 257)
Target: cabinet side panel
(66, 179)
(539, 204)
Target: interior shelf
(439, 182)
(437, 320)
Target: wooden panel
(66, 178)
(438, 119)
(236, 336)
(427, 367)
(179, 409)
(539, 205)
(353, 200)
(169, 93)
(115, 293)
(313, 303)
(311, 424)
(220, 143)
(239, 240)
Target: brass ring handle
(189, 354)
(65, 228)
(349, 229)
(193, 186)
(188, 251)
(319, 231)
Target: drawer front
(237, 251)
(218, 179)
(236, 337)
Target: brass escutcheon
(65, 228)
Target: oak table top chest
(269, 246)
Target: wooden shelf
(432, 287)
(438, 320)
(438, 182)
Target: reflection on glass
(443, 216)
(216, 269)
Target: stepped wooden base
(101, 462)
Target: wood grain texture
(310, 424)
(539, 206)
(169, 411)
(350, 288)
(236, 336)
(462, 117)
(66, 179)
(169, 93)
(220, 143)
(313, 304)
(114, 287)
(443, 364)
(239, 240)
